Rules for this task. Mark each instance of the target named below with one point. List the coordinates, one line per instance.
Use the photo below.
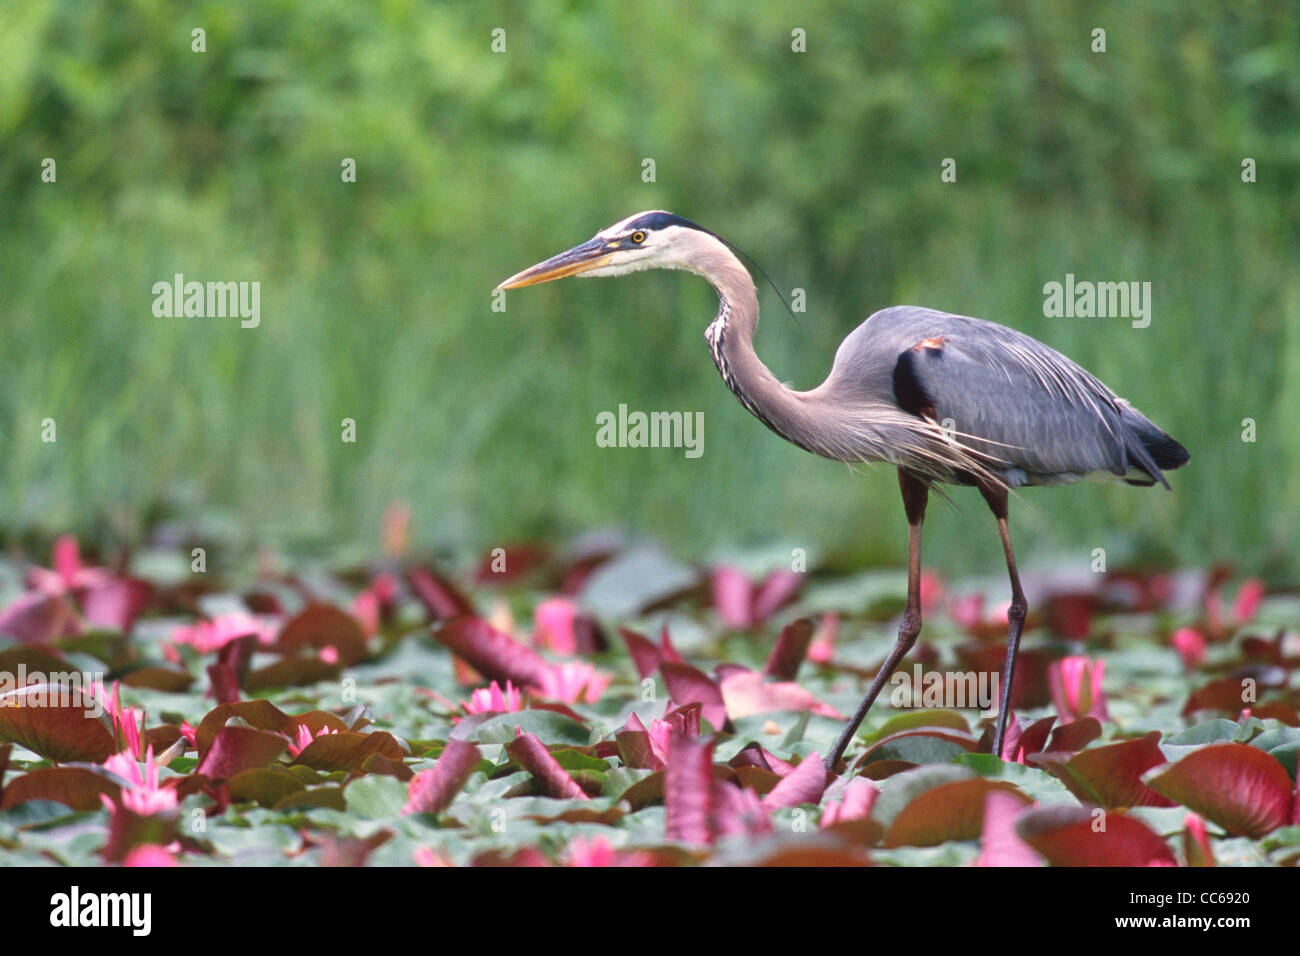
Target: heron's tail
(1150, 449)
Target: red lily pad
(378, 763)
(346, 851)
(128, 830)
(1257, 648)
(735, 810)
(790, 650)
(924, 745)
(757, 779)
(805, 784)
(922, 717)
(114, 602)
(755, 755)
(328, 795)
(1109, 776)
(813, 856)
(291, 672)
(236, 749)
(999, 843)
(777, 590)
(686, 718)
(883, 769)
(1069, 614)
(686, 685)
(229, 672)
(948, 811)
(30, 659)
(847, 813)
(646, 658)
(687, 782)
(1241, 788)
(645, 791)
(77, 788)
(38, 617)
(494, 654)
(1019, 742)
(510, 561)
(266, 786)
(323, 625)
(348, 750)
(442, 599)
(608, 817)
(258, 713)
(161, 737)
(159, 678)
(57, 722)
(433, 790)
(263, 715)
(1226, 695)
(634, 748)
(1029, 688)
(1278, 711)
(1076, 836)
(1075, 735)
(554, 780)
(746, 692)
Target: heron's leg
(997, 500)
(915, 494)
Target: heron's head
(647, 240)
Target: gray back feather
(1030, 414)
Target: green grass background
(376, 296)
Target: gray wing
(1003, 394)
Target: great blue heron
(945, 398)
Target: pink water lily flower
(1248, 600)
(742, 604)
(493, 700)
(1196, 842)
(370, 606)
(128, 726)
(554, 627)
(140, 791)
(209, 636)
(1190, 645)
(1076, 688)
(599, 852)
(304, 736)
(424, 856)
(968, 613)
(1244, 607)
(150, 854)
(933, 593)
(68, 574)
(573, 681)
(63, 601)
(365, 608)
(822, 648)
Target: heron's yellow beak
(592, 254)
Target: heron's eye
(638, 237)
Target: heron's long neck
(731, 340)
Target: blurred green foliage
(824, 165)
